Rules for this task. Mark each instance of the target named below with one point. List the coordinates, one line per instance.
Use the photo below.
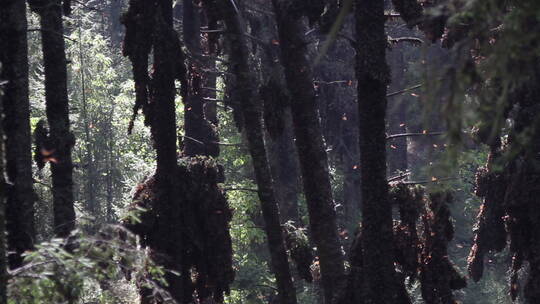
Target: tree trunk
(149, 24)
(238, 54)
(286, 172)
(339, 121)
(57, 110)
(372, 74)
(3, 240)
(163, 130)
(282, 155)
(20, 195)
(311, 150)
(200, 136)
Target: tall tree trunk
(339, 120)
(149, 25)
(3, 184)
(20, 195)
(57, 110)
(282, 155)
(310, 145)
(286, 172)
(163, 129)
(238, 54)
(373, 75)
(200, 136)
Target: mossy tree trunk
(379, 282)
(149, 27)
(238, 54)
(310, 145)
(20, 194)
(200, 136)
(57, 110)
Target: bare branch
(413, 40)
(404, 90)
(414, 134)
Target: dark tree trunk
(20, 194)
(200, 136)
(339, 120)
(3, 240)
(282, 155)
(163, 130)
(238, 54)
(57, 110)
(286, 172)
(149, 25)
(311, 150)
(372, 74)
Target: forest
(270, 151)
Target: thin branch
(404, 90)
(23, 269)
(413, 40)
(414, 134)
(433, 180)
(213, 31)
(267, 286)
(214, 143)
(332, 82)
(392, 15)
(399, 176)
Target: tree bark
(311, 150)
(339, 120)
(57, 110)
(238, 54)
(20, 195)
(373, 75)
(3, 240)
(286, 172)
(282, 155)
(200, 136)
(163, 130)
